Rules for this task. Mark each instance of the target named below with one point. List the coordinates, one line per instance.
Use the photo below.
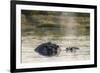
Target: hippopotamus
(72, 49)
(47, 49)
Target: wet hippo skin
(47, 49)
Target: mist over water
(71, 23)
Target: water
(31, 42)
(72, 31)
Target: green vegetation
(30, 12)
(42, 23)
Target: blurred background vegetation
(43, 23)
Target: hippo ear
(57, 46)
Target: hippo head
(47, 49)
